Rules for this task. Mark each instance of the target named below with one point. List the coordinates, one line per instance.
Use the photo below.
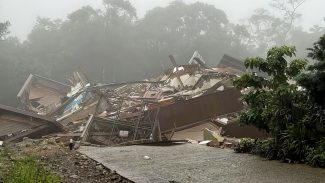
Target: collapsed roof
(152, 109)
(41, 95)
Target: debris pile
(16, 124)
(54, 155)
(41, 95)
(135, 112)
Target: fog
(120, 40)
(23, 14)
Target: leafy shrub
(316, 157)
(265, 148)
(245, 145)
(294, 118)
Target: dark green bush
(316, 158)
(265, 148)
(245, 145)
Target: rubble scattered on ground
(71, 166)
(138, 111)
(177, 102)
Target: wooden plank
(85, 133)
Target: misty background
(120, 40)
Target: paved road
(197, 163)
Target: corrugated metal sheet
(228, 61)
(186, 113)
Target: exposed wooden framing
(85, 133)
(172, 59)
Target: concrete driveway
(197, 163)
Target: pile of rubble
(70, 166)
(135, 112)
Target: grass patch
(3, 163)
(25, 170)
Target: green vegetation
(293, 117)
(24, 170)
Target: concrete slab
(194, 133)
(197, 163)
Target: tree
(120, 21)
(11, 59)
(294, 117)
(268, 29)
(119, 11)
(272, 100)
(314, 80)
(43, 48)
(274, 104)
(4, 29)
(265, 30)
(303, 39)
(181, 28)
(94, 41)
(313, 83)
(288, 8)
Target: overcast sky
(22, 13)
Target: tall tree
(288, 9)
(273, 29)
(294, 116)
(314, 80)
(270, 100)
(185, 28)
(265, 30)
(11, 59)
(4, 29)
(43, 47)
(277, 105)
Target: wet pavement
(197, 163)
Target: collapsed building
(16, 124)
(185, 97)
(41, 95)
